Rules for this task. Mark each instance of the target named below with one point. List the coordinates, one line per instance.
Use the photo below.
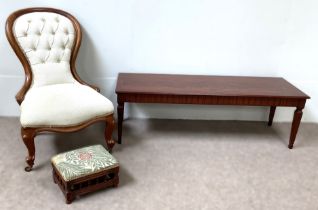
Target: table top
(204, 85)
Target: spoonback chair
(53, 97)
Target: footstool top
(83, 162)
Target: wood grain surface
(201, 85)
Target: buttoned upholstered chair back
(49, 42)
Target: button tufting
(45, 38)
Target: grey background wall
(209, 37)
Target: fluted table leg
(271, 115)
(120, 115)
(295, 125)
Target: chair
(53, 97)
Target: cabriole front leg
(28, 135)
(110, 124)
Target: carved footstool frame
(29, 133)
(91, 183)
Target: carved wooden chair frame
(28, 133)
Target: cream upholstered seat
(63, 105)
(53, 97)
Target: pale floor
(172, 164)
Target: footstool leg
(54, 178)
(110, 124)
(69, 198)
(116, 182)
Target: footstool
(84, 170)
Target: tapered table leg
(271, 115)
(120, 115)
(295, 125)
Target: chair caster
(28, 168)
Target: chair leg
(110, 124)
(28, 135)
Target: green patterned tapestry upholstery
(84, 161)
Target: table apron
(211, 100)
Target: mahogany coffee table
(210, 90)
